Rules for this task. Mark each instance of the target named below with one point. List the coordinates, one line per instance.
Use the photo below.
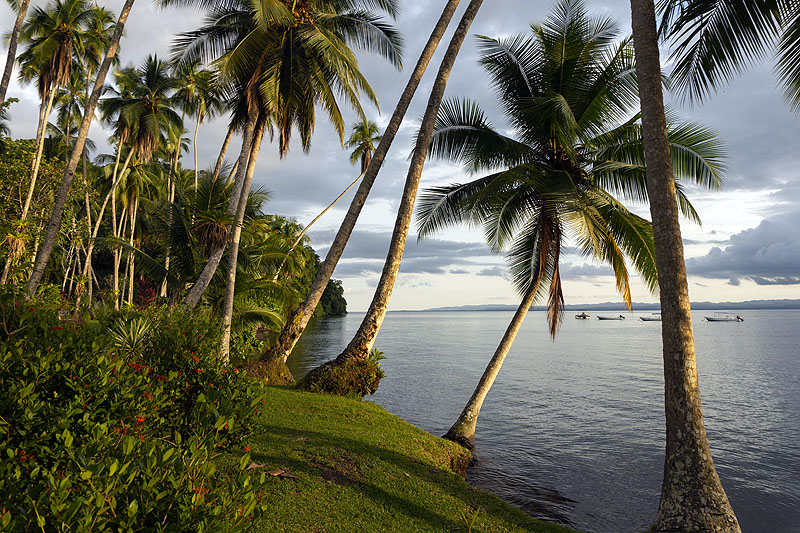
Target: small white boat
(655, 317)
(620, 317)
(724, 317)
(582, 316)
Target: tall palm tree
(53, 34)
(363, 137)
(692, 496)
(570, 92)
(362, 342)
(297, 322)
(22, 10)
(51, 233)
(279, 62)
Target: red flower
(199, 335)
(55, 328)
(195, 359)
(31, 309)
(139, 419)
(247, 448)
(224, 371)
(199, 370)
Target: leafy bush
(352, 377)
(110, 435)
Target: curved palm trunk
(463, 431)
(361, 344)
(692, 497)
(200, 286)
(132, 256)
(37, 160)
(12, 49)
(298, 320)
(194, 146)
(233, 253)
(46, 249)
(222, 152)
(308, 226)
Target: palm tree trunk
(222, 152)
(37, 160)
(46, 250)
(118, 260)
(692, 497)
(131, 255)
(305, 230)
(233, 172)
(200, 286)
(194, 144)
(361, 344)
(298, 320)
(12, 49)
(233, 253)
(463, 431)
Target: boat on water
(620, 317)
(724, 317)
(655, 317)
(583, 316)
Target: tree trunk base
(344, 377)
(270, 371)
(467, 441)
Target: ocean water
(573, 429)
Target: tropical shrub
(99, 434)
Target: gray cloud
(768, 254)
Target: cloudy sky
(748, 247)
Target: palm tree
(297, 322)
(363, 137)
(53, 35)
(570, 92)
(22, 9)
(278, 62)
(692, 497)
(361, 344)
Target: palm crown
(569, 92)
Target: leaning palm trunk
(222, 152)
(37, 159)
(308, 226)
(463, 431)
(200, 286)
(46, 250)
(692, 497)
(361, 344)
(233, 253)
(298, 320)
(12, 49)
(194, 147)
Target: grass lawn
(362, 469)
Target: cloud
(768, 254)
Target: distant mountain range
(637, 306)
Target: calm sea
(572, 430)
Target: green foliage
(332, 302)
(352, 377)
(101, 438)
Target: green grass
(362, 469)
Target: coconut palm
(360, 346)
(22, 10)
(51, 233)
(296, 324)
(285, 70)
(692, 496)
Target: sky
(748, 247)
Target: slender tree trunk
(463, 431)
(305, 230)
(222, 152)
(692, 497)
(194, 144)
(37, 160)
(361, 344)
(46, 250)
(200, 286)
(233, 253)
(233, 172)
(12, 49)
(131, 255)
(118, 259)
(298, 320)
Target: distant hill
(637, 306)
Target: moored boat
(655, 317)
(620, 317)
(724, 317)
(582, 316)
